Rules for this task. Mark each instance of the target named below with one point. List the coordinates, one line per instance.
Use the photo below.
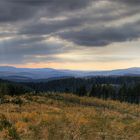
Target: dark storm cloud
(14, 10)
(83, 22)
(93, 36)
(103, 36)
(48, 28)
(66, 4)
(134, 2)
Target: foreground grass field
(67, 117)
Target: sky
(70, 34)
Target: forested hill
(118, 88)
(13, 88)
(70, 84)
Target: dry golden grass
(67, 117)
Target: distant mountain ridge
(30, 74)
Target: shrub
(4, 123)
(13, 133)
(17, 101)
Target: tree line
(122, 88)
(9, 88)
(122, 93)
(117, 88)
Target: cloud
(27, 25)
(87, 29)
(134, 2)
(28, 48)
(103, 36)
(48, 28)
(15, 10)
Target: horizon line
(10, 66)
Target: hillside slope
(67, 117)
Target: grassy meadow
(67, 117)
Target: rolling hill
(29, 74)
